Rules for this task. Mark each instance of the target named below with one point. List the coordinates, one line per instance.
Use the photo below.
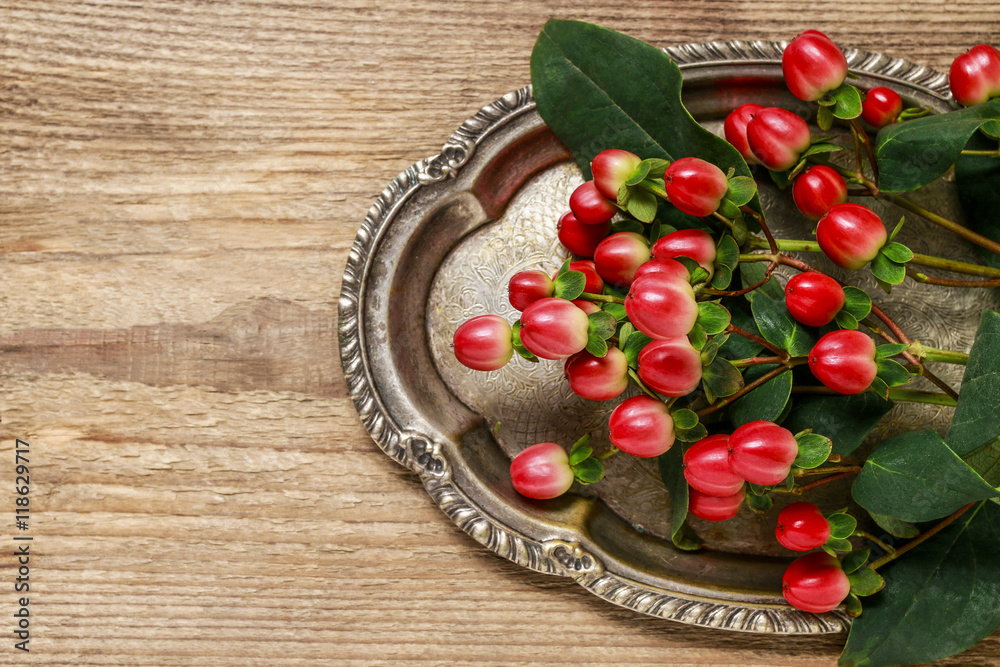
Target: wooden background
(180, 183)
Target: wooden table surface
(180, 184)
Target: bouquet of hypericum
(673, 290)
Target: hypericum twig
(923, 537)
(732, 328)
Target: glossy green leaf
(579, 454)
(518, 346)
(636, 341)
(642, 205)
(986, 462)
(846, 420)
(894, 526)
(835, 544)
(697, 336)
(684, 418)
(866, 581)
(777, 325)
(602, 324)
(977, 419)
(671, 465)
(766, 402)
(569, 285)
(722, 278)
(824, 118)
(977, 182)
(589, 471)
(741, 190)
(915, 476)
(759, 504)
(890, 350)
(721, 378)
(897, 252)
(940, 599)
(738, 347)
(854, 560)
(596, 346)
(845, 320)
(713, 317)
(887, 270)
(842, 525)
(847, 101)
(857, 302)
(640, 173)
(814, 450)
(727, 252)
(597, 89)
(892, 372)
(914, 153)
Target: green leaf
(890, 350)
(671, 465)
(684, 419)
(986, 462)
(759, 504)
(738, 347)
(627, 225)
(855, 560)
(852, 605)
(518, 346)
(596, 346)
(845, 320)
(691, 434)
(708, 352)
(569, 285)
(597, 89)
(977, 181)
(657, 167)
(640, 173)
(897, 252)
(741, 190)
(824, 119)
(642, 204)
(915, 476)
(589, 471)
(602, 325)
(722, 278)
(847, 101)
(940, 599)
(880, 388)
(626, 330)
(914, 153)
(578, 455)
(814, 450)
(712, 317)
(857, 302)
(846, 420)
(636, 341)
(821, 147)
(894, 526)
(837, 544)
(887, 270)
(615, 310)
(842, 525)
(776, 324)
(766, 402)
(977, 419)
(727, 252)
(697, 336)
(866, 581)
(728, 209)
(721, 378)
(892, 372)
(897, 229)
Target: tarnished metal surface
(440, 245)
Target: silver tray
(439, 246)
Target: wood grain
(180, 184)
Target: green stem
(606, 298)
(773, 373)
(757, 361)
(608, 454)
(995, 153)
(655, 187)
(874, 540)
(919, 539)
(940, 221)
(928, 353)
(732, 328)
(799, 490)
(830, 469)
(948, 282)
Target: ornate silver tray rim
(604, 576)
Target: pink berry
(844, 361)
(881, 107)
(715, 508)
(695, 186)
(597, 378)
(484, 343)
(706, 467)
(671, 367)
(526, 287)
(594, 283)
(641, 426)
(694, 244)
(581, 239)
(815, 583)
(541, 471)
(801, 527)
(762, 452)
(813, 298)
(611, 168)
(850, 235)
(661, 306)
(777, 138)
(619, 256)
(813, 65)
(974, 77)
(816, 189)
(554, 328)
(735, 128)
(588, 307)
(670, 267)
(590, 206)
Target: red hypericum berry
(695, 244)
(844, 361)
(777, 138)
(661, 306)
(554, 328)
(611, 168)
(801, 527)
(735, 128)
(597, 378)
(715, 508)
(594, 283)
(581, 239)
(670, 267)
(975, 75)
(484, 343)
(881, 107)
(706, 467)
(641, 426)
(588, 307)
(695, 186)
(590, 206)
(671, 366)
(815, 583)
(817, 189)
(526, 287)
(850, 235)
(762, 452)
(541, 471)
(618, 256)
(813, 65)
(813, 298)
